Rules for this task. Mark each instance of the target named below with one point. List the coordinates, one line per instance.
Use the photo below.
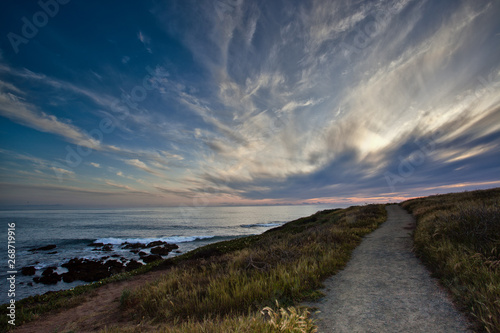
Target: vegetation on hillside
(229, 283)
(236, 285)
(458, 237)
(233, 285)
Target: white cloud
(26, 114)
(63, 171)
(142, 166)
(145, 40)
(119, 186)
(379, 99)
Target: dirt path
(99, 310)
(385, 288)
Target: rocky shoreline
(91, 270)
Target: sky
(239, 102)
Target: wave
(171, 240)
(263, 225)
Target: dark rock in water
(55, 252)
(135, 251)
(134, 246)
(96, 244)
(90, 270)
(44, 248)
(132, 264)
(85, 270)
(114, 266)
(147, 246)
(102, 247)
(151, 258)
(178, 251)
(69, 277)
(48, 271)
(28, 270)
(142, 254)
(115, 256)
(29, 284)
(48, 277)
(162, 250)
(156, 243)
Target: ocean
(73, 230)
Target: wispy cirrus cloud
(387, 94)
(13, 107)
(283, 101)
(145, 40)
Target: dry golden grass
(458, 237)
(231, 279)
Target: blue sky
(136, 103)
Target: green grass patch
(458, 237)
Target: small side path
(385, 288)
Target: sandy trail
(385, 288)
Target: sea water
(73, 230)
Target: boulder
(134, 246)
(132, 264)
(150, 258)
(90, 270)
(114, 266)
(44, 248)
(102, 247)
(28, 270)
(156, 243)
(69, 277)
(161, 250)
(48, 277)
(85, 270)
(48, 271)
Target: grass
(269, 320)
(231, 279)
(228, 284)
(458, 238)
(290, 319)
